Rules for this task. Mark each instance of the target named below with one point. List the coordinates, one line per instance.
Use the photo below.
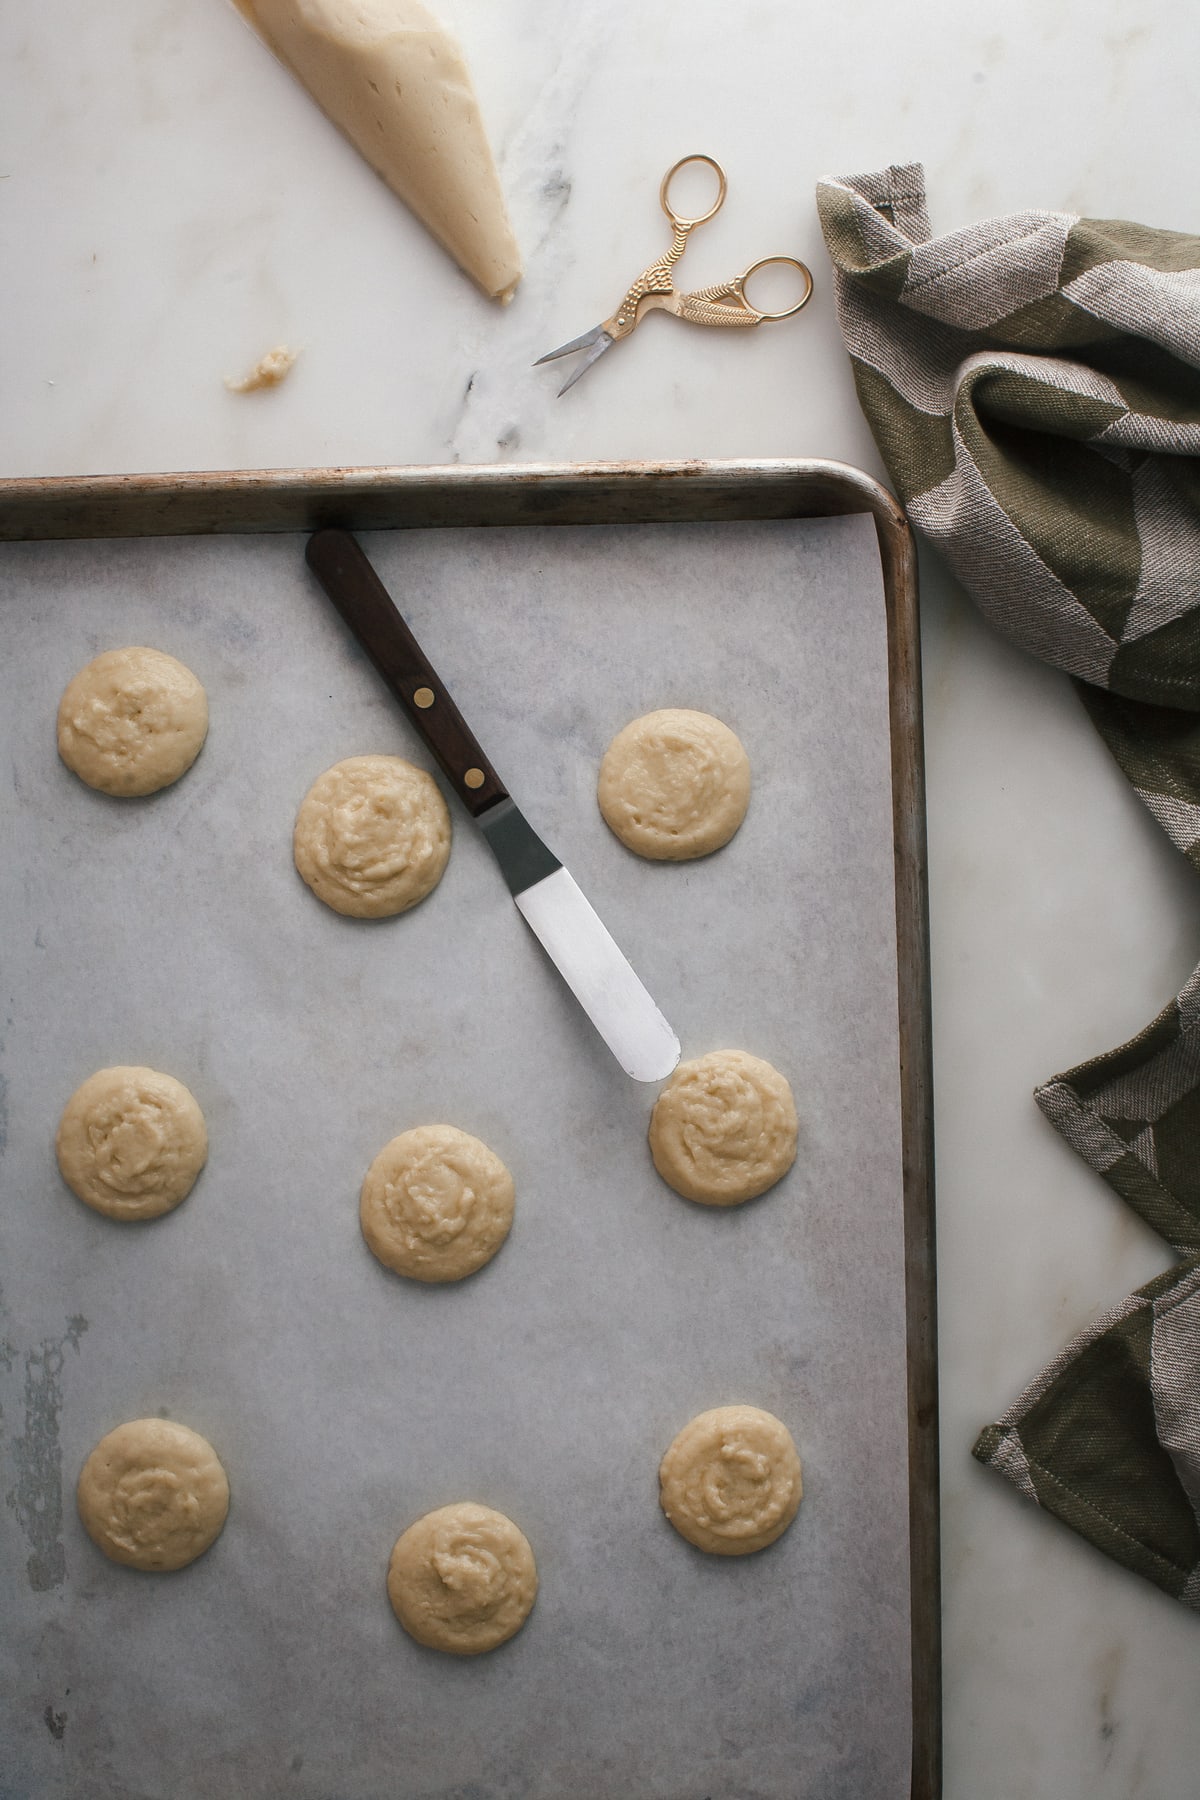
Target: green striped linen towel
(1033, 384)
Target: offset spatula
(552, 904)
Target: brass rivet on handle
(423, 697)
(473, 778)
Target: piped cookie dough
(724, 1128)
(674, 785)
(372, 836)
(730, 1483)
(394, 82)
(132, 721)
(436, 1204)
(153, 1495)
(462, 1579)
(131, 1142)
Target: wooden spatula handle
(341, 566)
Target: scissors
(654, 289)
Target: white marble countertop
(171, 207)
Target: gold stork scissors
(654, 289)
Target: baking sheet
(345, 1402)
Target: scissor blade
(580, 343)
(603, 343)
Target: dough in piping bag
(395, 83)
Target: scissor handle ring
(793, 263)
(664, 190)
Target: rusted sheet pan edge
(100, 506)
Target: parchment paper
(344, 1401)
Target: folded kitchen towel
(1033, 384)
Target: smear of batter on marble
(267, 372)
(37, 1498)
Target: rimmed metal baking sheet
(175, 932)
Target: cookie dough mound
(153, 1495)
(436, 1204)
(131, 1142)
(724, 1128)
(462, 1579)
(132, 722)
(372, 836)
(730, 1483)
(674, 785)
